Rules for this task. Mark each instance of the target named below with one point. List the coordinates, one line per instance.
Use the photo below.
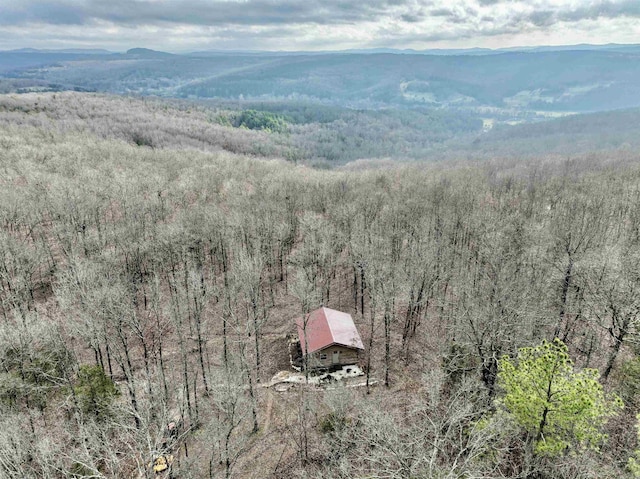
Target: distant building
(328, 338)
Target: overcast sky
(182, 25)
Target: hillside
(148, 292)
(142, 122)
(324, 136)
(305, 133)
(516, 84)
(567, 136)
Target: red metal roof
(325, 327)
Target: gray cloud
(602, 9)
(274, 12)
(542, 18)
(416, 17)
(478, 19)
(524, 15)
(299, 24)
(194, 12)
(441, 12)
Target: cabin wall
(324, 357)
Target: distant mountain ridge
(400, 51)
(79, 51)
(148, 53)
(435, 51)
(505, 85)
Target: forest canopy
(148, 291)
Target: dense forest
(321, 136)
(154, 255)
(297, 132)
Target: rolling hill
(513, 85)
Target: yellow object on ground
(162, 463)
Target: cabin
(329, 339)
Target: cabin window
(323, 356)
